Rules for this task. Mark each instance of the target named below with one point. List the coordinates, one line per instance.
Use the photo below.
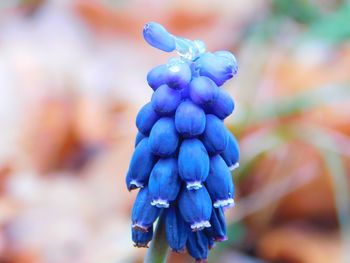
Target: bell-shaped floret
(214, 137)
(165, 100)
(157, 76)
(176, 229)
(189, 119)
(143, 213)
(198, 246)
(193, 163)
(195, 207)
(141, 238)
(179, 74)
(163, 139)
(219, 183)
(230, 59)
(141, 165)
(139, 137)
(231, 154)
(164, 182)
(157, 36)
(215, 67)
(203, 90)
(217, 231)
(223, 106)
(146, 118)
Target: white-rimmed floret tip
(135, 184)
(197, 226)
(160, 203)
(234, 167)
(193, 185)
(227, 203)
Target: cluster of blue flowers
(183, 151)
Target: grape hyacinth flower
(184, 154)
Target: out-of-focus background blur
(73, 75)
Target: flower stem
(158, 251)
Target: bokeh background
(73, 75)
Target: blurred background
(73, 76)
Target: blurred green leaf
(303, 11)
(334, 27)
(300, 103)
(235, 233)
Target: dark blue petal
(193, 163)
(139, 137)
(157, 76)
(219, 183)
(203, 90)
(198, 246)
(164, 183)
(215, 67)
(195, 207)
(176, 229)
(230, 59)
(189, 119)
(217, 231)
(157, 36)
(231, 154)
(141, 238)
(141, 165)
(165, 100)
(223, 106)
(178, 74)
(163, 138)
(146, 118)
(215, 137)
(143, 213)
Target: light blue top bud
(157, 36)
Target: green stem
(158, 251)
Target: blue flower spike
(184, 154)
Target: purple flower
(183, 151)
